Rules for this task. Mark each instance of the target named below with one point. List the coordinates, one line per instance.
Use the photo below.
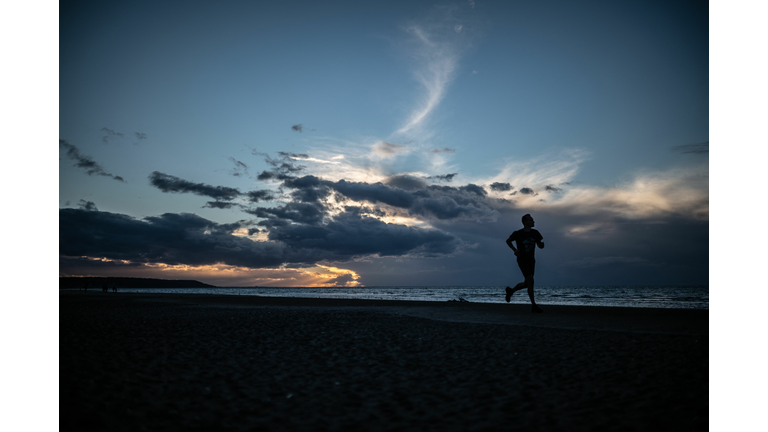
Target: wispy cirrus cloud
(85, 162)
(168, 183)
(109, 134)
(283, 167)
(436, 44)
(384, 148)
(536, 173)
(699, 148)
(443, 177)
(222, 194)
(240, 169)
(679, 192)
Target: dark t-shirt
(526, 242)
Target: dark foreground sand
(156, 362)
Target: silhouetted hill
(128, 282)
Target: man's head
(528, 221)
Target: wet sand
(163, 362)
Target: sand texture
(156, 362)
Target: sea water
(653, 296)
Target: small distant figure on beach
(114, 288)
(85, 287)
(104, 288)
(526, 239)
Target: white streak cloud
(437, 44)
(677, 192)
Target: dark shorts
(527, 266)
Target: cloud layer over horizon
(305, 220)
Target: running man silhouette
(527, 239)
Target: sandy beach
(165, 362)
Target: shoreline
(167, 362)
(648, 297)
(607, 318)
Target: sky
(384, 144)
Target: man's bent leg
(511, 291)
(519, 286)
(528, 283)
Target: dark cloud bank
(303, 229)
(412, 198)
(192, 240)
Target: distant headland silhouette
(128, 282)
